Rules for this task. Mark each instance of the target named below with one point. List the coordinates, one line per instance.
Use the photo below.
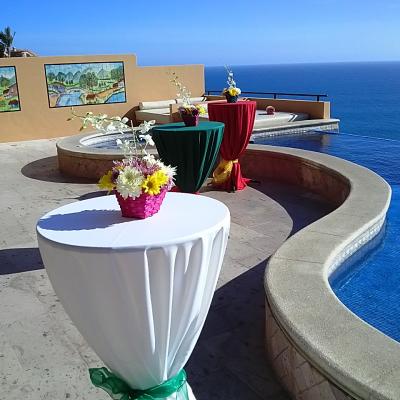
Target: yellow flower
(153, 183)
(202, 109)
(106, 182)
(232, 91)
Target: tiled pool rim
(318, 348)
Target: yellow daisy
(153, 183)
(106, 182)
(202, 109)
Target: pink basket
(190, 120)
(140, 207)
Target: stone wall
(298, 376)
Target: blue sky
(7, 72)
(209, 32)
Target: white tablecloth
(138, 290)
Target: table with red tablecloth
(239, 121)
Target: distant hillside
(103, 74)
(4, 81)
(69, 77)
(77, 76)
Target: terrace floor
(42, 355)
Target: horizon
(308, 63)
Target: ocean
(364, 96)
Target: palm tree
(2, 50)
(6, 39)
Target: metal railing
(274, 94)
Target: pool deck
(42, 355)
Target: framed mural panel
(79, 84)
(9, 96)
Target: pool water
(368, 283)
(108, 141)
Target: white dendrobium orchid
(145, 126)
(126, 146)
(183, 92)
(148, 139)
(106, 125)
(109, 128)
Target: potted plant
(231, 92)
(139, 181)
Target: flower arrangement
(135, 176)
(194, 110)
(139, 176)
(189, 112)
(183, 92)
(231, 92)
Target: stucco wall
(37, 120)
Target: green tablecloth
(192, 149)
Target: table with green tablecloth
(193, 150)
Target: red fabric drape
(239, 121)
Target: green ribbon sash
(119, 390)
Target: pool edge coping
(356, 356)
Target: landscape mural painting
(85, 83)
(9, 97)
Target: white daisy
(167, 169)
(129, 182)
(150, 160)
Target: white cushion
(197, 99)
(160, 115)
(148, 105)
(263, 120)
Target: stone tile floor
(42, 355)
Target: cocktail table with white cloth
(138, 290)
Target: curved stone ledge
(321, 349)
(79, 160)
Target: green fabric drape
(119, 390)
(192, 149)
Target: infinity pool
(368, 283)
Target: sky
(7, 72)
(210, 32)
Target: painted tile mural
(86, 83)
(9, 97)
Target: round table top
(97, 222)
(181, 127)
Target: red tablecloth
(239, 121)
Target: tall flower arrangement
(183, 92)
(187, 108)
(139, 175)
(231, 92)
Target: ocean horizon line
(305, 63)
